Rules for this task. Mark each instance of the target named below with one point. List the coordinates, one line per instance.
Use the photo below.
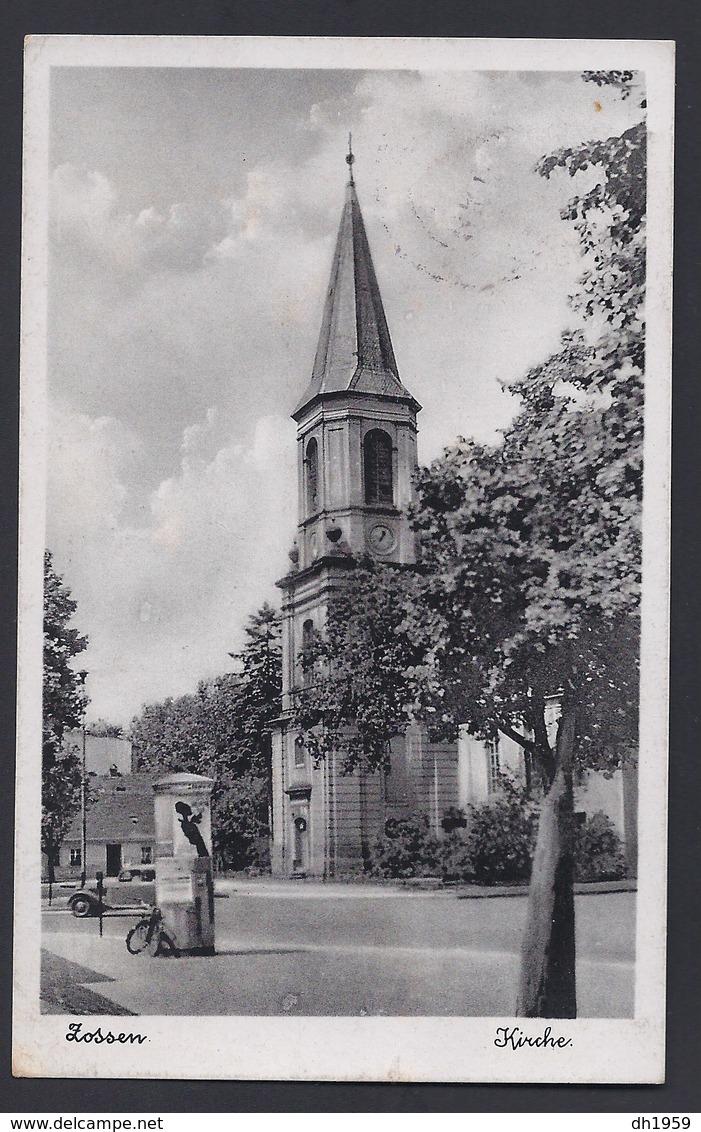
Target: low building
(120, 828)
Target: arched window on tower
(300, 752)
(379, 486)
(312, 468)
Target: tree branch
(527, 744)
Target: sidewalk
(285, 979)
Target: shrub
(498, 843)
(456, 859)
(501, 836)
(454, 818)
(598, 850)
(495, 845)
(408, 849)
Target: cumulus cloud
(165, 602)
(181, 331)
(85, 212)
(156, 345)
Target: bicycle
(150, 935)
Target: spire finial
(350, 157)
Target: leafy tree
(362, 672)
(220, 731)
(240, 821)
(198, 733)
(60, 801)
(102, 729)
(621, 80)
(167, 735)
(260, 693)
(533, 548)
(63, 707)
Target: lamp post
(267, 736)
(83, 817)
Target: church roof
(355, 350)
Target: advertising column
(184, 882)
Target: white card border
(351, 1049)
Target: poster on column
(344, 486)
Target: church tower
(356, 423)
(356, 439)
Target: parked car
(132, 887)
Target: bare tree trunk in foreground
(547, 985)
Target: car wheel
(81, 906)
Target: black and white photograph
(344, 517)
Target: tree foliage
(103, 729)
(64, 700)
(534, 548)
(260, 686)
(222, 731)
(533, 545)
(362, 672)
(63, 708)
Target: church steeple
(356, 423)
(356, 460)
(355, 349)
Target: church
(357, 455)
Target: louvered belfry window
(307, 659)
(378, 468)
(312, 462)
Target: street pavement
(324, 949)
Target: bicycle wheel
(166, 946)
(137, 938)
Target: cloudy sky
(193, 216)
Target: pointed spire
(355, 350)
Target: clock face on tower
(381, 539)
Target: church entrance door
(300, 838)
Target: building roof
(355, 351)
(121, 809)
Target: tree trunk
(547, 986)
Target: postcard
(343, 642)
